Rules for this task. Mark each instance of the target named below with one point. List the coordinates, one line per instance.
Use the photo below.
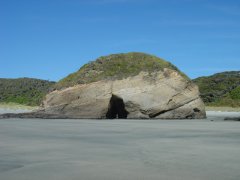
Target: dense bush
(222, 89)
(25, 91)
(235, 94)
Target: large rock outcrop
(163, 95)
(153, 88)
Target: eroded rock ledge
(160, 95)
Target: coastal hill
(27, 91)
(127, 85)
(221, 89)
(116, 66)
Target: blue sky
(49, 39)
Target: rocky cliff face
(161, 95)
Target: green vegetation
(25, 91)
(30, 92)
(115, 66)
(222, 89)
(235, 93)
(218, 90)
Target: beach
(15, 108)
(36, 149)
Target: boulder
(160, 95)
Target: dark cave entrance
(116, 108)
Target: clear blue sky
(49, 39)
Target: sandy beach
(15, 108)
(120, 149)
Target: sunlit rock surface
(162, 95)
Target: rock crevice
(116, 108)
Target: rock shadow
(116, 108)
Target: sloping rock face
(161, 95)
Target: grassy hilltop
(221, 89)
(25, 91)
(115, 66)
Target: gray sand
(120, 149)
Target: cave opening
(116, 108)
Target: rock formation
(162, 94)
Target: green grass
(115, 66)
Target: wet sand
(120, 149)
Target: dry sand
(15, 108)
(120, 149)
